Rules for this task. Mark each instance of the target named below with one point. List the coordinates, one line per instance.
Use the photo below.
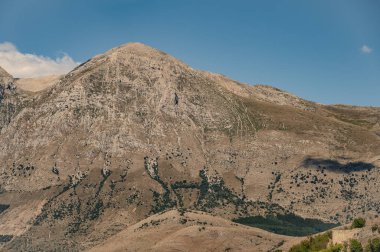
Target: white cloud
(366, 49)
(24, 65)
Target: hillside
(36, 84)
(193, 231)
(135, 132)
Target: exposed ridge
(5, 78)
(144, 52)
(4, 73)
(6, 82)
(136, 56)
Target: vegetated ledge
(336, 166)
(287, 224)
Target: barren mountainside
(135, 133)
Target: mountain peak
(137, 48)
(131, 58)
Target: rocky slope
(135, 132)
(10, 98)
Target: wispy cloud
(366, 49)
(23, 65)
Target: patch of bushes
(313, 243)
(355, 246)
(334, 248)
(96, 210)
(164, 201)
(373, 245)
(184, 184)
(375, 228)
(358, 223)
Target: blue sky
(326, 51)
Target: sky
(326, 51)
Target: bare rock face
(1, 93)
(135, 132)
(5, 77)
(6, 82)
(122, 101)
(7, 97)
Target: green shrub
(358, 223)
(355, 246)
(334, 248)
(373, 245)
(374, 228)
(316, 243)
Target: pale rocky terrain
(37, 84)
(134, 133)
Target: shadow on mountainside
(288, 224)
(3, 207)
(334, 165)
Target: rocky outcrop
(6, 83)
(8, 99)
(6, 80)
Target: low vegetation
(334, 248)
(355, 246)
(358, 223)
(314, 243)
(373, 245)
(375, 228)
(322, 242)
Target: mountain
(135, 133)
